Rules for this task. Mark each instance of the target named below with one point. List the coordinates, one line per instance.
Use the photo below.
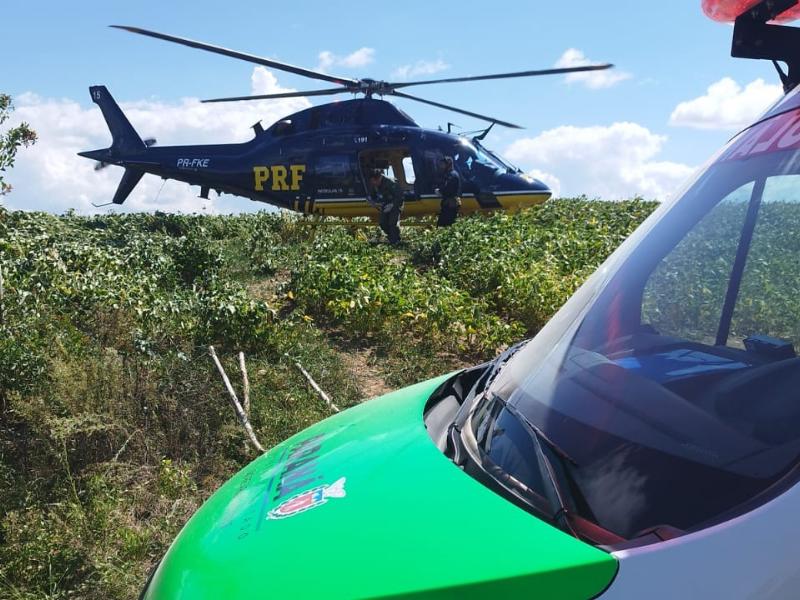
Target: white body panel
(755, 557)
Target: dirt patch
(369, 380)
(359, 360)
(267, 288)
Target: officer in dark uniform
(387, 196)
(450, 191)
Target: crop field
(115, 425)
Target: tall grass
(113, 422)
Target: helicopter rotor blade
(537, 73)
(458, 110)
(328, 92)
(241, 56)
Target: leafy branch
(11, 140)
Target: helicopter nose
(534, 184)
(523, 182)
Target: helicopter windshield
(470, 158)
(671, 377)
(497, 158)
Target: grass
(115, 425)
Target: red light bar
(726, 11)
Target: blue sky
(666, 54)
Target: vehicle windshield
(671, 378)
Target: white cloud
(355, 60)
(726, 105)
(421, 67)
(613, 162)
(50, 176)
(573, 57)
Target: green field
(115, 426)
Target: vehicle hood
(364, 505)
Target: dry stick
(318, 389)
(246, 386)
(235, 402)
(125, 445)
(245, 383)
(1, 295)
(2, 321)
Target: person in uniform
(450, 191)
(387, 196)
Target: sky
(674, 97)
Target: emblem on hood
(307, 500)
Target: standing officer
(450, 192)
(387, 195)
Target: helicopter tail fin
(125, 138)
(129, 180)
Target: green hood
(388, 515)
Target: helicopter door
(336, 176)
(397, 162)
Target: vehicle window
(768, 302)
(685, 294)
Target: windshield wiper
(539, 434)
(479, 389)
(558, 494)
(561, 514)
(455, 450)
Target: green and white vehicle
(644, 444)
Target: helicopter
(315, 161)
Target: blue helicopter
(314, 161)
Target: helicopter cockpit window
(470, 159)
(497, 158)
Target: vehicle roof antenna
(451, 125)
(782, 74)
